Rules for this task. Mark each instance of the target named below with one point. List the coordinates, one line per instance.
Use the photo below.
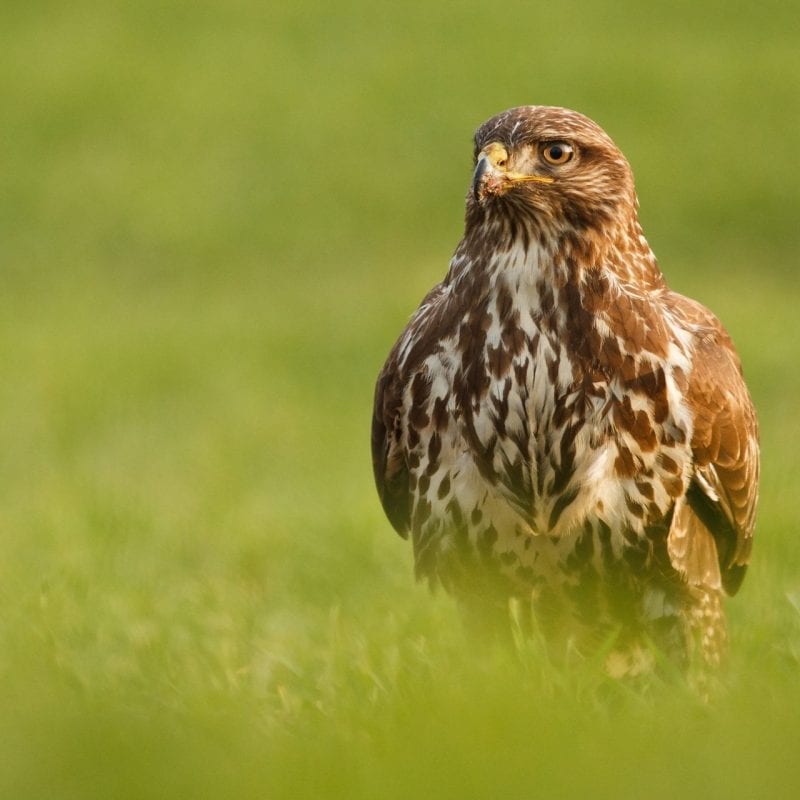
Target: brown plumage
(555, 423)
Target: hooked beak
(477, 177)
(491, 176)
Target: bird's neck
(565, 285)
(495, 254)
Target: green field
(216, 217)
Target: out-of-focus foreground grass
(216, 217)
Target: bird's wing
(722, 496)
(402, 367)
(388, 457)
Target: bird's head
(549, 167)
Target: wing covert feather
(724, 490)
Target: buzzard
(556, 425)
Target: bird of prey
(556, 425)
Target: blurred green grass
(215, 219)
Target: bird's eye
(557, 153)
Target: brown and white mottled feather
(555, 422)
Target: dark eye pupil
(556, 152)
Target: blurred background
(215, 218)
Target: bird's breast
(520, 433)
(505, 436)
